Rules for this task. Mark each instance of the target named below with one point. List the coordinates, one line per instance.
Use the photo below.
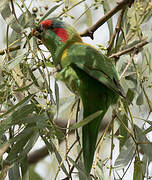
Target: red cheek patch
(62, 33)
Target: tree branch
(37, 155)
(2, 52)
(120, 5)
(136, 47)
(117, 30)
(89, 32)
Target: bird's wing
(95, 64)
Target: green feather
(96, 86)
(89, 74)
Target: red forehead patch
(46, 24)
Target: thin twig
(37, 155)
(13, 10)
(2, 52)
(137, 47)
(71, 170)
(120, 5)
(77, 114)
(117, 29)
(112, 145)
(126, 68)
(99, 143)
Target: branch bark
(120, 5)
(117, 30)
(136, 47)
(37, 155)
(2, 52)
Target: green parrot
(86, 72)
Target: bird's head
(55, 34)
(53, 27)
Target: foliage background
(36, 110)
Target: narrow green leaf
(106, 9)
(130, 96)
(80, 169)
(25, 168)
(144, 143)
(11, 65)
(122, 130)
(126, 154)
(57, 96)
(86, 120)
(50, 12)
(27, 19)
(148, 100)
(88, 15)
(145, 164)
(24, 88)
(29, 145)
(20, 104)
(100, 171)
(49, 64)
(8, 16)
(140, 99)
(149, 129)
(33, 174)
(33, 77)
(18, 117)
(14, 173)
(51, 147)
(22, 147)
(137, 169)
(132, 44)
(21, 140)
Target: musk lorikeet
(86, 72)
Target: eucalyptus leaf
(100, 171)
(18, 105)
(85, 175)
(29, 145)
(86, 120)
(16, 117)
(51, 147)
(140, 99)
(24, 168)
(88, 15)
(137, 169)
(144, 143)
(19, 150)
(33, 175)
(106, 9)
(14, 172)
(57, 96)
(126, 155)
(34, 79)
(149, 129)
(50, 12)
(8, 16)
(122, 130)
(130, 96)
(11, 65)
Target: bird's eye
(52, 28)
(37, 31)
